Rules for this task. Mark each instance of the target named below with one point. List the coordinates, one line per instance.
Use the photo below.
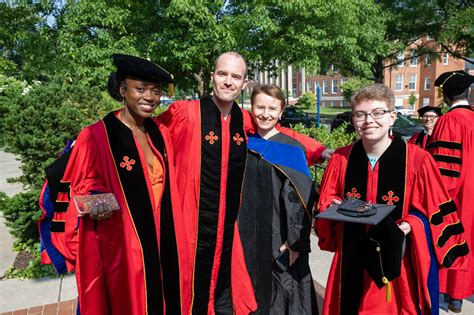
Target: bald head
(233, 54)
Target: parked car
(293, 115)
(403, 127)
(404, 111)
(165, 101)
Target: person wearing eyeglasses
(382, 169)
(429, 116)
(452, 146)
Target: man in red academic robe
(452, 146)
(209, 139)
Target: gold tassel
(171, 90)
(388, 289)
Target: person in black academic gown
(275, 217)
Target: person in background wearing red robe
(209, 139)
(452, 146)
(127, 261)
(385, 170)
(429, 116)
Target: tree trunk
(377, 70)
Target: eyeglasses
(376, 114)
(429, 117)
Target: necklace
(122, 118)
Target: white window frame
(428, 60)
(334, 86)
(412, 83)
(399, 82)
(427, 83)
(400, 59)
(426, 101)
(325, 87)
(413, 60)
(445, 58)
(308, 85)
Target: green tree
(412, 100)
(353, 85)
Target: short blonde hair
(376, 91)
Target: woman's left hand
(405, 227)
(293, 255)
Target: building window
(426, 101)
(400, 60)
(428, 60)
(316, 84)
(398, 82)
(413, 60)
(334, 86)
(325, 103)
(412, 82)
(325, 87)
(427, 84)
(445, 58)
(308, 86)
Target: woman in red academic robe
(127, 261)
(382, 169)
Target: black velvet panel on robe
(269, 202)
(209, 199)
(135, 189)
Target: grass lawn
(328, 113)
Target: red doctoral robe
(452, 146)
(420, 139)
(210, 162)
(405, 176)
(129, 263)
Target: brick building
(411, 76)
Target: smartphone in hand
(283, 260)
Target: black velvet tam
(357, 211)
(140, 69)
(454, 82)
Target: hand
(336, 202)
(293, 255)
(100, 211)
(327, 154)
(405, 227)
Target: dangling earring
(390, 131)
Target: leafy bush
(333, 140)
(307, 100)
(21, 213)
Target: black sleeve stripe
(445, 144)
(58, 226)
(457, 251)
(448, 231)
(447, 159)
(63, 187)
(60, 206)
(449, 173)
(444, 209)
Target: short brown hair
(270, 90)
(376, 91)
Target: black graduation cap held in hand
(454, 82)
(385, 249)
(357, 211)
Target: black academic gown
(277, 207)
